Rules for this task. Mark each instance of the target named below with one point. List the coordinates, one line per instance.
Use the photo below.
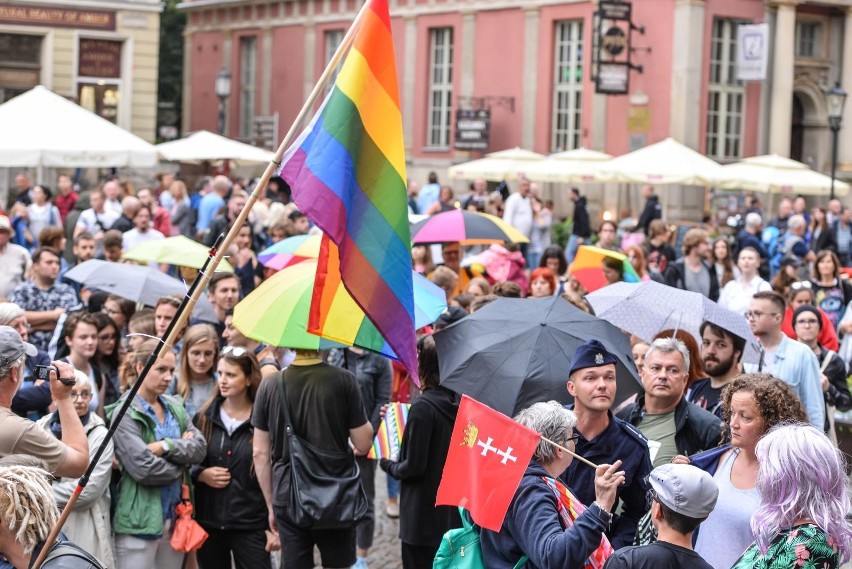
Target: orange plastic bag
(188, 535)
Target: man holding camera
(68, 457)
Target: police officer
(604, 438)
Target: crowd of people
(712, 450)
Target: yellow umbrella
(177, 250)
(503, 165)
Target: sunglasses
(801, 284)
(234, 351)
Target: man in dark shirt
(581, 228)
(653, 210)
(682, 496)
(721, 351)
(326, 411)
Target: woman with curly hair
(751, 405)
(804, 501)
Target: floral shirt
(33, 299)
(804, 546)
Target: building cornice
(141, 6)
(396, 11)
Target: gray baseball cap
(12, 346)
(685, 489)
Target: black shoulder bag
(325, 486)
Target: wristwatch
(167, 447)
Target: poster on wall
(752, 51)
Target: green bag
(460, 548)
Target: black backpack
(72, 557)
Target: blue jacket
(621, 441)
(534, 528)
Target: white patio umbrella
(497, 166)
(777, 174)
(576, 166)
(204, 145)
(45, 129)
(665, 162)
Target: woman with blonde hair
(179, 211)
(195, 380)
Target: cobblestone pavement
(385, 553)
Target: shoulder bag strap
(288, 426)
(826, 360)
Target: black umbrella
(515, 352)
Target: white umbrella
(776, 174)
(665, 162)
(204, 145)
(572, 166)
(42, 128)
(497, 166)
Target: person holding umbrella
(604, 438)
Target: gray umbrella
(515, 352)
(645, 309)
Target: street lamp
(223, 91)
(836, 99)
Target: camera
(43, 372)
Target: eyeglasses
(235, 351)
(801, 284)
(80, 394)
(807, 322)
(756, 314)
(573, 438)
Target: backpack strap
(68, 549)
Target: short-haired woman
(535, 525)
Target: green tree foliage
(170, 86)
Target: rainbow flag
(347, 173)
(388, 439)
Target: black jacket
(240, 504)
(653, 210)
(582, 227)
(695, 429)
(425, 444)
(675, 277)
(825, 241)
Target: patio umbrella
(467, 227)
(645, 309)
(177, 250)
(290, 251)
(576, 166)
(204, 145)
(777, 174)
(496, 166)
(588, 263)
(277, 311)
(665, 162)
(138, 283)
(516, 351)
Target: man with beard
(603, 439)
(721, 352)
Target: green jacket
(139, 510)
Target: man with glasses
(671, 424)
(807, 323)
(33, 398)
(603, 439)
(786, 359)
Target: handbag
(325, 486)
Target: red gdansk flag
(488, 455)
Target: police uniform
(619, 441)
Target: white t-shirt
(736, 295)
(94, 222)
(519, 213)
(134, 237)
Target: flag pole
(574, 454)
(220, 249)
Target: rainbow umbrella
(467, 227)
(290, 251)
(277, 311)
(588, 263)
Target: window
(333, 39)
(440, 87)
(726, 97)
(20, 64)
(808, 39)
(248, 84)
(567, 85)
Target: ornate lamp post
(223, 91)
(836, 99)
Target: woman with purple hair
(804, 500)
